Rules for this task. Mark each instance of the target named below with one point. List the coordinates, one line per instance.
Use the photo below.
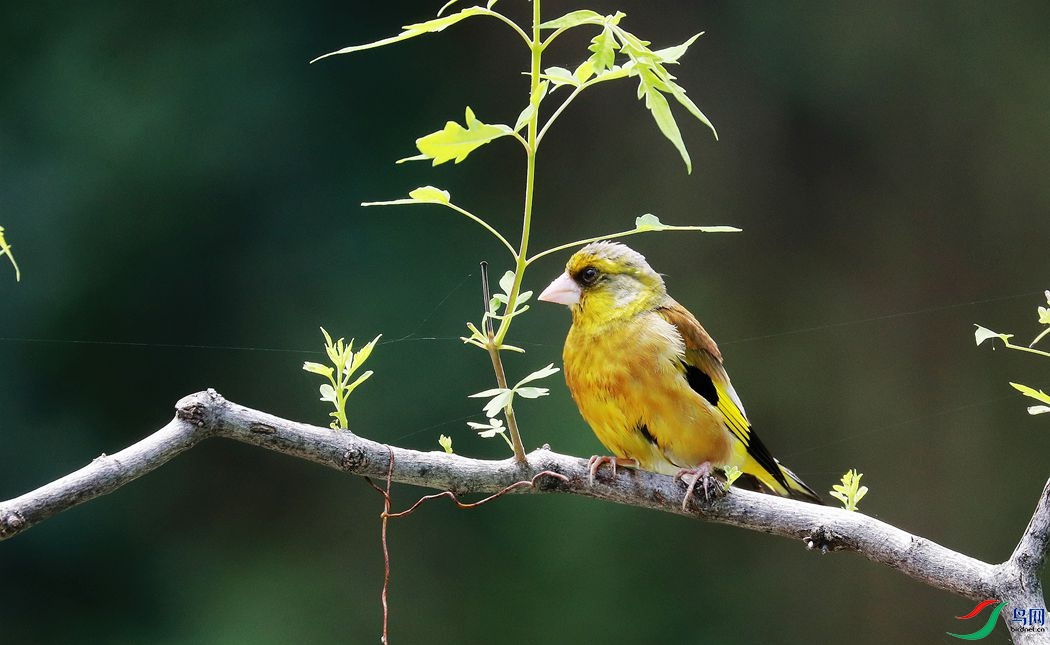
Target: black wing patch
(703, 385)
(644, 429)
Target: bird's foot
(702, 474)
(596, 462)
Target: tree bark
(825, 529)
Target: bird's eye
(589, 276)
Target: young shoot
(849, 492)
(344, 364)
(5, 249)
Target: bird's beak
(563, 291)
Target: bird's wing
(702, 369)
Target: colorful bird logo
(988, 626)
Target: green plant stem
(510, 23)
(1039, 337)
(557, 112)
(536, 49)
(1022, 348)
(611, 236)
(484, 225)
(501, 380)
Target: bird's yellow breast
(626, 377)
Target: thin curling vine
(614, 53)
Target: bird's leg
(691, 476)
(596, 462)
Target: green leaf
(488, 430)
(732, 473)
(1031, 392)
(559, 76)
(661, 111)
(498, 403)
(849, 492)
(411, 31)
(679, 94)
(444, 441)
(327, 393)
(672, 54)
(361, 379)
(1044, 315)
(648, 222)
(982, 334)
(531, 392)
(491, 392)
(584, 72)
(541, 373)
(603, 48)
(317, 368)
(421, 195)
(455, 142)
(506, 282)
(525, 116)
(574, 19)
(430, 195)
(5, 249)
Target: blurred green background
(182, 193)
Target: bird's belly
(642, 408)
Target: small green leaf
(421, 195)
(411, 31)
(1044, 315)
(982, 334)
(1031, 392)
(498, 403)
(430, 195)
(559, 76)
(849, 492)
(524, 116)
(455, 142)
(541, 373)
(732, 473)
(573, 19)
(5, 249)
(531, 392)
(603, 51)
(661, 111)
(506, 282)
(679, 94)
(445, 442)
(488, 430)
(327, 393)
(584, 72)
(648, 222)
(491, 392)
(317, 368)
(361, 379)
(672, 54)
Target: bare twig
(824, 529)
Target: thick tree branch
(206, 414)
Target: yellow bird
(649, 379)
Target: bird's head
(606, 280)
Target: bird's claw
(595, 462)
(701, 474)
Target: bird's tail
(797, 489)
(787, 485)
